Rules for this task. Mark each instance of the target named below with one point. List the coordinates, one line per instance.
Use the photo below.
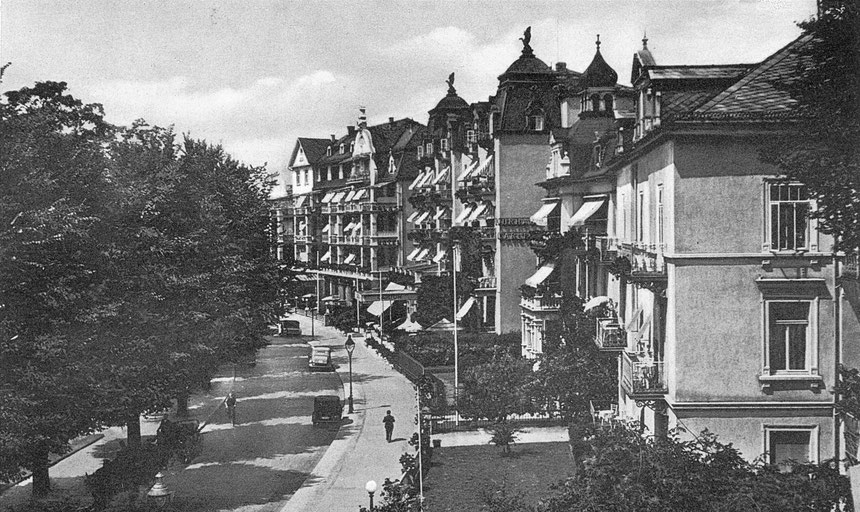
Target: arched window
(595, 102)
(351, 147)
(342, 148)
(328, 151)
(607, 101)
(420, 151)
(429, 148)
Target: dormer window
(328, 151)
(595, 102)
(420, 151)
(534, 122)
(342, 148)
(352, 147)
(429, 148)
(471, 137)
(443, 144)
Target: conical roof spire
(599, 73)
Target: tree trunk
(132, 424)
(182, 405)
(39, 466)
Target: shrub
(504, 435)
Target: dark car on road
(291, 328)
(327, 408)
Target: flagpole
(456, 348)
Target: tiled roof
(730, 72)
(314, 148)
(757, 93)
(675, 103)
(514, 100)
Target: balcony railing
(646, 261)
(549, 302)
(642, 378)
(610, 336)
(851, 266)
(487, 282)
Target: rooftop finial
(362, 116)
(644, 40)
(450, 83)
(598, 42)
(527, 37)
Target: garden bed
(459, 474)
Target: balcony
(606, 248)
(646, 261)
(487, 283)
(642, 378)
(610, 336)
(851, 267)
(549, 303)
(488, 232)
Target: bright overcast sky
(256, 75)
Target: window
(788, 336)
(307, 177)
(342, 149)
(789, 217)
(471, 136)
(352, 147)
(595, 102)
(420, 151)
(534, 122)
(429, 149)
(340, 172)
(328, 173)
(660, 214)
(784, 444)
(443, 144)
(640, 217)
(328, 151)
(607, 102)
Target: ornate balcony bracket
(659, 405)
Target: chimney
(332, 138)
(561, 66)
(350, 130)
(362, 118)
(391, 120)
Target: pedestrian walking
(388, 421)
(230, 404)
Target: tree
(572, 371)
(54, 194)
(626, 471)
(823, 150)
(497, 389)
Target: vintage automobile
(291, 328)
(320, 359)
(327, 408)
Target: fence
(408, 366)
(442, 423)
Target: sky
(255, 75)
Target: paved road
(254, 466)
(271, 451)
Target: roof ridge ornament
(526, 39)
(597, 43)
(644, 39)
(450, 82)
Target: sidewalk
(360, 453)
(482, 436)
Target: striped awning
(412, 216)
(327, 197)
(350, 195)
(416, 180)
(300, 200)
(585, 212)
(359, 194)
(440, 211)
(349, 259)
(464, 214)
(378, 307)
(421, 218)
(326, 256)
(441, 175)
(478, 211)
(423, 254)
(541, 215)
(541, 275)
(439, 256)
(464, 310)
(413, 254)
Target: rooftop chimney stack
(332, 138)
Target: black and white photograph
(430, 256)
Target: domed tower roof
(599, 73)
(527, 63)
(451, 101)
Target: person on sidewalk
(230, 404)
(388, 421)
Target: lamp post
(370, 487)
(350, 346)
(159, 493)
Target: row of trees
(131, 265)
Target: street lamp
(370, 487)
(350, 346)
(160, 494)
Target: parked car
(327, 408)
(320, 359)
(291, 328)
